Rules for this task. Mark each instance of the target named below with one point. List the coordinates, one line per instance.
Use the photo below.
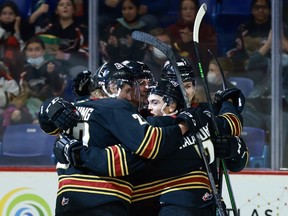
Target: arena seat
(255, 139)
(246, 85)
(26, 144)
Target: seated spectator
(119, 45)
(182, 33)
(154, 58)
(41, 77)
(259, 68)
(72, 50)
(14, 31)
(40, 14)
(253, 34)
(215, 78)
(9, 88)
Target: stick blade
(200, 14)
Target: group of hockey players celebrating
(129, 145)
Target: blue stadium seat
(246, 85)
(255, 139)
(26, 144)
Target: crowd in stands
(39, 49)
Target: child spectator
(13, 32)
(72, 34)
(120, 46)
(41, 77)
(40, 14)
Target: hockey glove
(195, 118)
(82, 83)
(67, 150)
(234, 94)
(62, 114)
(227, 146)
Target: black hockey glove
(234, 94)
(227, 146)
(62, 114)
(81, 85)
(195, 118)
(67, 150)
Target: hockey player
(143, 79)
(104, 123)
(162, 176)
(187, 191)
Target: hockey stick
(200, 15)
(223, 168)
(149, 39)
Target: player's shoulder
(106, 103)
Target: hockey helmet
(170, 90)
(113, 73)
(139, 69)
(185, 68)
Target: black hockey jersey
(108, 122)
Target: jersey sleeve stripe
(117, 163)
(150, 145)
(234, 123)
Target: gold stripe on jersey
(96, 185)
(117, 163)
(234, 123)
(192, 180)
(150, 145)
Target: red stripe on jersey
(190, 181)
(151, 145)
(234, 122)
(117, 161)
(94, 184)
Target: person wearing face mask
(154, 58)
(41, 78)
(214, 76)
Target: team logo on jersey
(64, 201)
(207, 196)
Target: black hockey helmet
(139, 69)
(170, 90)
(113, 72)
(185, 68)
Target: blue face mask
(36, 61)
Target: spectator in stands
(154, 58)
(41, 77)
(73, 36)
(119, 45)
(9, 88)
(182, 33)
(14, 31)
(253, 34)
(215, 77)
(40, 14)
